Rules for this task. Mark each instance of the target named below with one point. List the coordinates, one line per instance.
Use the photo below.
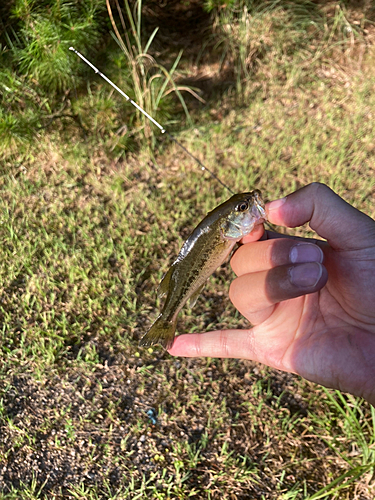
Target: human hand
(312, 302)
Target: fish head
(244, 212)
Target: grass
(86, 235)
(150, 82)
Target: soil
(104, 428)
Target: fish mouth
(259, 212)
(256, 216)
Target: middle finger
(267, 254)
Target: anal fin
(193, 299)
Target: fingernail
(306, 275)
(272, 205)
(305, 252)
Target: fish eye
(243, 206)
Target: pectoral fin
(195, 296)
(164, 284)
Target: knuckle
(223, 342)
(198, 346)
(316, 185)
(319, 188)
(250, 343)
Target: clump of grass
(150, 82)
(249, 30)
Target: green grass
(86, 234)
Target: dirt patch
(108, 427)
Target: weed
(150, 82)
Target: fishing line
(162, 129)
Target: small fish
(204, 251)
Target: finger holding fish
(255, 235)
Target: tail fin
(161, 332)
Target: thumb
(332, 218)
